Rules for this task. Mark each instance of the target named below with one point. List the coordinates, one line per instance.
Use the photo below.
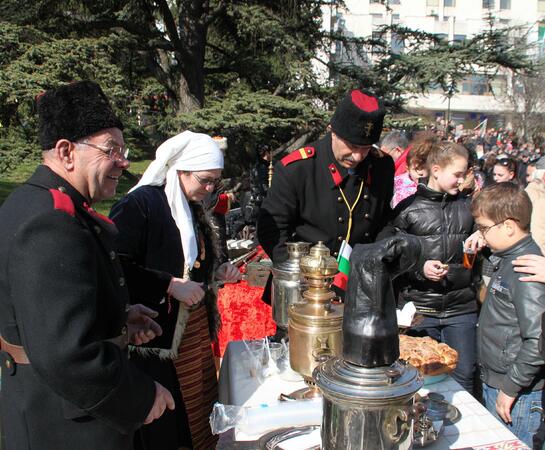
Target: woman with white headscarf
(163, 226)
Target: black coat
(442, 222)
(148, 236)
(62, 295)
(304, 202)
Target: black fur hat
(358, 118)
(74, 111)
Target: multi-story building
(454, 20)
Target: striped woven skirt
(197, 376)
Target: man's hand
(228, 273)
(187, 292)
(163, 400)
(142, 327)
(435, 270)
(533, 265)
(504, 403)
(475, 242)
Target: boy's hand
(435, 270)
(504, 403)
(475, 242)
(533, 265)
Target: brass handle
(322, 355)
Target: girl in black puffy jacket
(441, 288)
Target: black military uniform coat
(62, 296)
(305, 203)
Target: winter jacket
(510, 326)
(442, 222)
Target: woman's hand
(187, 292)
(435, 270)
(228, 273)
(534, 265)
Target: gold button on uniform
(366, 215)
(340, 219)
(121, 281)
(112, 255)
(335, 254)
(339, 199)
(8, 364)
(62, 189)
(97, 229)
(366, 197)
(366, 234)
(339, 238)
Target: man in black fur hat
(67, 382)
(336, 189)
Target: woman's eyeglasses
(215, 182)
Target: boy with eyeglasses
(512, 369)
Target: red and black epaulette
(302, 153)
(63, 202)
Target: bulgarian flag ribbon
(341, 279)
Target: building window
(450, 3)
(488, 4)
(395, 2)
(505, 4)
(475, 85)
(541, 5)
(459, 37)
(432, 2)
(375, 1)
(377, 16)
(397, 44)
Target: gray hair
(394, 139)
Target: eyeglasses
(486, 229)
(114, 151)
(215, 182)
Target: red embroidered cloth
(244, 315)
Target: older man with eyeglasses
(64, 303)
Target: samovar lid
(296, 250)
(345, 381)
(319, 262)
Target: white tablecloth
(477, 427)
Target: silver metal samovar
(287, 283)
(369, 394)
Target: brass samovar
(315, 325)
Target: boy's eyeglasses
(485, 229)
(215, 182)
(114, 151)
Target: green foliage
(250, 119)
(247, 63)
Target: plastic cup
(277, 350)
(252, 363)
(469, 257)
(257, 348)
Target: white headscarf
(186, 151)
